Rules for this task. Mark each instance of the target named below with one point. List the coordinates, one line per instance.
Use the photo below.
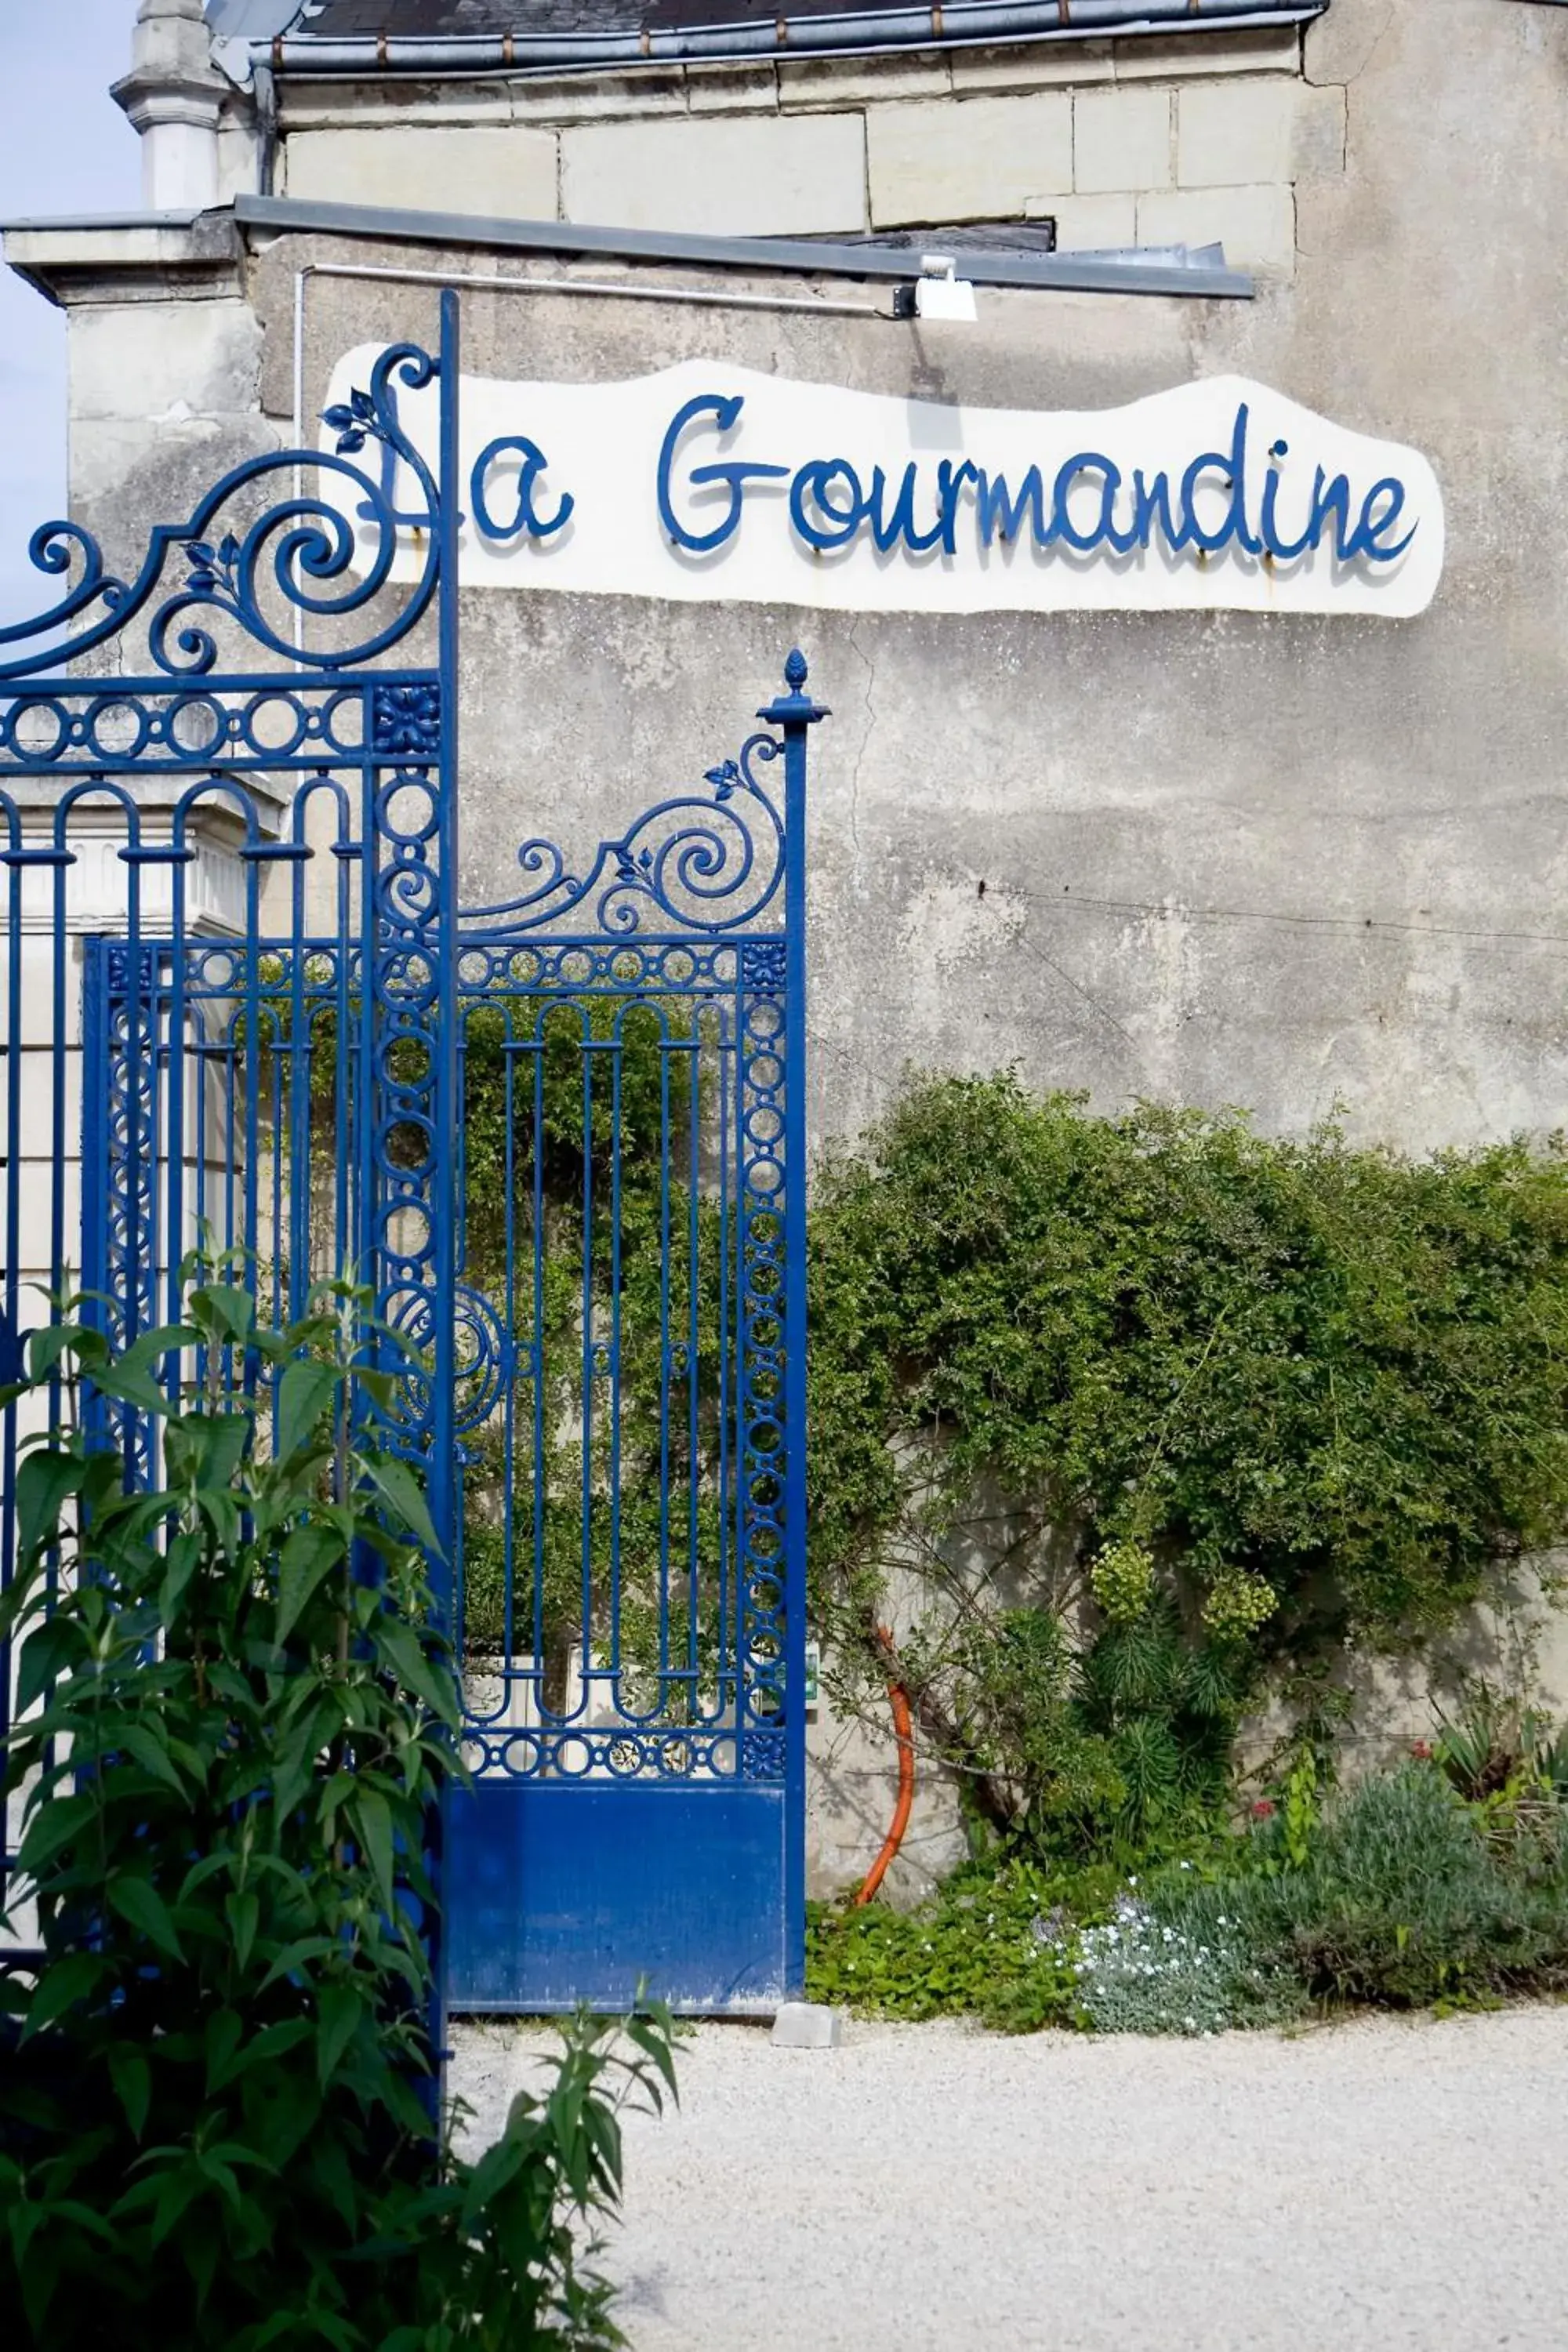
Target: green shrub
(1156, 1410)
(1408, 1896)
(1396, 1892)
(216, 2092)
(1495, 1749)
(1139, 1974)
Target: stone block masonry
(1230, 137)
(1257, 225)
(1123, 143)
(737, 176)
(971, 159)
(507, 172)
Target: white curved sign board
(712, 482)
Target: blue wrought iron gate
(560, 1136)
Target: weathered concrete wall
(1279, 862)
(1225, 859)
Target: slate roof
(306, 26)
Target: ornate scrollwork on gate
(323, 552)
(690, 864)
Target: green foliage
(216, 2095)
(1396, 1892)
(1496, 1750)
(1119, 1749)
(1154, 1410)
(1299, 1809)
(1122, 1578)
(995, 1943)
(580, 1198)
(1138, 1974)
(1407, 1895)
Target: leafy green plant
(1140, 1416)
(997, 1942)
(580, 1189)
(1299, 1810)
(1139, 1974)
(1403, 1898)
(217, 2123)
(1493, 1746)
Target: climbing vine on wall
(1123, 1418)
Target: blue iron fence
(560, 1136)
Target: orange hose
(904, 1728)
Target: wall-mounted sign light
(939, 292)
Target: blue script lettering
(527, 522)
(725, 414)
(1090, 503)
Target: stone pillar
(173, 94)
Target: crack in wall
(864, 739)
(1321, 30)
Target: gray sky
(65, 147)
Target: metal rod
(300, 277)
(489, 282)
(1204, 277)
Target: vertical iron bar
(586, 1049)
(616, 1034)
(61, 862)
(342, 1016)
(509, 1391)
(442, 1474)
(97, 1146)
(13, 1167)
(540, 1032)
(797, 714)
(299, 1074)
(694, 1340)
(443, 1468)
(665, 1377)
(250, 1145)
(728, 1503)
(174, 1181)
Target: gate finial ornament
(795, 703)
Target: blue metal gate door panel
(630, 1568)
(562, 1893)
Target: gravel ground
(1362, 2188)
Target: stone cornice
(144, 259)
